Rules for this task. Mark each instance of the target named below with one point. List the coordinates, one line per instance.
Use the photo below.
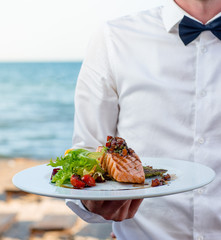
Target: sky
(56, 30)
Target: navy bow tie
(190, 29)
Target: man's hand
(117, 210)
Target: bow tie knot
(207, 27)
(190, 29)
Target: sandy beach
(31, 209)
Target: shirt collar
(172, 14)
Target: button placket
(203, 81)
(202, 93)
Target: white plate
(189, 176)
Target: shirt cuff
(77, 207)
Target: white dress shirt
(140, 82)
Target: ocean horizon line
(41, 61)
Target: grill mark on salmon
(127, 169)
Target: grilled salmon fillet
(122, 165)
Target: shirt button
(200, 191)
(203, 49)
(200, 238)
(203, 93)
(201, 140)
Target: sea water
(37, 108)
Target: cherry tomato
(76, 182)
(89, 181)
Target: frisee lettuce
(77, 161)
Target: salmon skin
(121, 162)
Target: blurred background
(42, 45)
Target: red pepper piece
(76, 182)
(167, 177)
(109, 138)
(155, 182)
(88, 180)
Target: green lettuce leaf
(77, 161)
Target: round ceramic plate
(187, 176)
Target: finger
(122, 213)
(128, 210)
(118, 210)
(113, 209)
(92, 206)
(134, 206)
(107, 208)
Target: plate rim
(133, 193)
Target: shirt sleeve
(77, 207)
(96, 107)
(96, 98)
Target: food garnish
(78, 162)
(114, 161)
(150, 172)
(117, 145)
